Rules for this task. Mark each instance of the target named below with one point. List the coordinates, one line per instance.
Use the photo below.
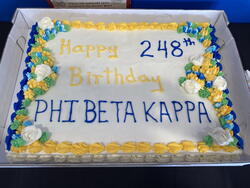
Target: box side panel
(102, 15)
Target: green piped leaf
(213, 62)
(189, 66)
(38, 91)
(49, 81)
(181, 80)
(44, 138)
(222, 121)
(224, 95)
(208, 37)
(22, 112)
(234, 142)
(221, 73)
(18, 142)
(180, 29)
(15, 124)
(224, 102)
(67, 27)
(46, 49)
(26, 103)
(204, 93)
(191, 34)
(33, 75)
(51, 36)
(44, 58)
(208, 140)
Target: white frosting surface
(129, 49)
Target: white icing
(170, 70)
(196, 60)
(221, 136)
(220, 83)
(30, 134)
(191, 86)
(42, 71)
(45, 23)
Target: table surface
(135, 177)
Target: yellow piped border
(113, 147)
(123, 26)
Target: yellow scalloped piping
(124, 26)
(113, 147)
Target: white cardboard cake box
(14, 55)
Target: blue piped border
(20, 95)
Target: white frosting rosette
(196, 60)
(45, 23)
(42, 71)
(222, 137)
(191, 86)
(220, 83)
(30, 134)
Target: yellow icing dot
(202, 147)
(50, 146)
(88, 25)
(96, 148)
(224, 110)
(35, 147)
(229, 148)
(21, 117)
(215, 148)
(174, 147)
(128, 147)
(53, 75)
(143, 147)
(79, 148)
(18, 149)
(66, 22)
(76, 24)
(63, 147)
(41, 41)
(208, 55)
(204, 24)
(204, 32)
(206, 43)
(195, 68)
(19, 129)
(100, 26)
(32, 83)
(28, 94)
(192, 76)
(215, 95)
(112, 147)
(160, 148)
(188, 145)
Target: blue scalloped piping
(20, 96)
(217, 56)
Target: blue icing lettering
(188, 103)
(203, 111)
(89, 110)
(38, 108)
(176, 110)
(146, 111)
(52, 110)
(165, 113)
(117, 109)
(71, 102)
(131, 113)
(100, 111)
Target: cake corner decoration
(204, 78)
(40, 74)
